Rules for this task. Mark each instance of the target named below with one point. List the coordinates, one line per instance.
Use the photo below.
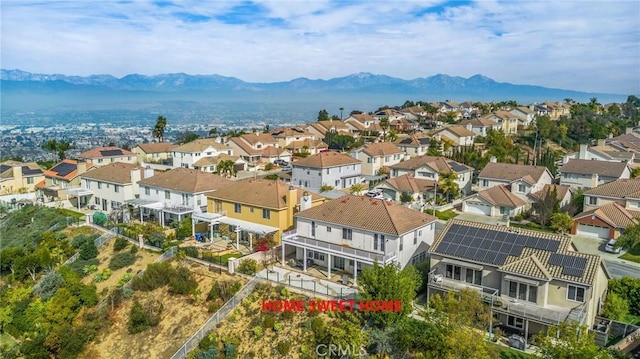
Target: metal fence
(222, 313)
(98, 242)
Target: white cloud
(587, 46)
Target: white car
(375, 193)
(611, 247)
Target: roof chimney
(82, 167)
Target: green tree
(434, 147)
(341, 110)
(544, 208)
(388, 282)
(60, 148)
(357, 188)
(384, 125)
(323, 115)
(464, 308)
(226, 168)
(187, 137)
(448, 185)
(568, 340)
(406, 197)
(326, 188)
(561, 222)
(615, 307)
(159, 128)
(630, 238)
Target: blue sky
(591, 46)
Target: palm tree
(384, 124)
(158, 129)
(326, 188)
(226, 168)
(448, 185)
(357, 188)
(341, 110)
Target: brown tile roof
(326, 159)
(512, 172)
(622, 188)
(338, 125)
(614, 214)
(408, 183)
(309, 143)
(413, 140)
(560, 190)
(501, 196)
(186, 180)
(157, 147)
(260, 193)
(381, 149)
(437, 163)
(369, 214)
(363, 117)
(531, 267)
(289, 132)
(105, 152)
(457, 130)
(602, 168)
(201, 144)
(210, 161)
(66, 170)
(117, 172)
(627, 142)
(504, 114)
(479, 122)
(255, 138)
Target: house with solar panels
(59, 182)
(377, 156)
(346, 234)
(19, 177)
(414, 145)
(530, 279)
(104, 155)
(430, 167)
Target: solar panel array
(571, 265)
(30, 171)
(458, 166)
(64, 169)
(490, 246)
(111, 153)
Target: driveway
(617, 267)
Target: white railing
(347, 252)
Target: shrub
(268, 167)
(122, 260)
(277, 326)
(155, 276)
(182, 281)
(269, 321)
(190, 251)
(248, 266)
(143, 317)
(79, 265)
(215, 305)
(133, 250)
(283, 347)
(48, 285)
(223, 290)
(120, 244)
(257, 331)
(81, 239)
(88, 250)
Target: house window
(523, 291)
(116, 188)
(315, 255)
(575, 293)
(328, 170)
(485, 183)
(99, 160)
(147, 191)
(593, 201)
(218, 206)
(328, 229)
(368, 159)
(504, 210)
(167, 195)
(185, 199)
(401, 243)
(521, 188)
(96, 200)
(338, 263)
(515, 322)
(415, 237)
(237, 208)
(473, 276)
(266, 213)
(199, 201)
(99, 185)
(313, 228)
(29, 180)
(347, 234)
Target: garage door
(478, 208)
(593, 231)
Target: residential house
(306, 147)
(520, 179)
(175, 194)
(630, 141)
(419, 188)
(259, 147)
(402, 125)
(326, 168)
(456, 136)
(564, 194)
(496, 201)
(480, 126)
(414, 113)
(19, 177)
(109, 187)
(154, 152)
(525, 115)
(449, 106)
(507, 120)
(363, 124)
(625, 192)
(377, 157)
(210, 164)
(188, 154)
(430, 167)
(531, 279)
(558, 109)
(64, 175)
(336, 239)
(256, 207)
(321, 128)
(287, 135)
(580, 174)
(104, 155)
(605, 222)
(600, 152)
(413, 145)
(388, 113)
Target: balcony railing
(549, 314)
(292, 238)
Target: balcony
(292, 238)
(549, 314)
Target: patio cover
(248, 226)
(147, 203)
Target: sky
(591, 46)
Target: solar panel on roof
(555, 259)
(457, 166)
(501, 258)
(469, 252)
(481, 253)
(4, 168)
(476, 242)
(553, 246)
(491, 256)
(64, 169)
(111, 153)
(516, 250)
(28, 171)
(580, 263)
(482, 233)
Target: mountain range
(25, 91)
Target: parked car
(611, 247)
(375, 193)
(280, 162)
(287, 168)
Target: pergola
(240, 225)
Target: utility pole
(435, 196)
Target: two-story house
(286, 135)
(507, 120)
(430, 167)
(59, 178)
(580, 174)
(320, 128)
(520, 179)
(625, 192)
(376, 156)
(256, 207)
(457, 136)
(413, 145)
(525, 115)
(495, 201)
(153, 152)
(188, 154)
(480, 126)
(19, 177)
(210, 164)
(418, 188)
(600, 152)
(326, 168)
(172, 195)
(104, 155)
(605, 222)
(109, 187)
(531, 279)
(363, 124)
(259, 147)
(346, 234)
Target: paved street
(617, 267)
